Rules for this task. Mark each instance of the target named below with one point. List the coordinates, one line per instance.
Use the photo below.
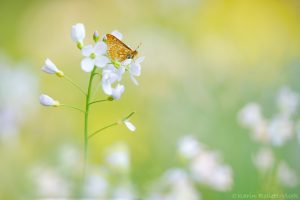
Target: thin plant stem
(74, 84)
(111, 125)
(102, 129)
(86, 116)
(99, 101)
(73, 107)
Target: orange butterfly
(117, 50)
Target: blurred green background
(204, 61)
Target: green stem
(68, 106)
(110, 125)
(99, 101)
(74, 84)
(106, 127)
(86, 116)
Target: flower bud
(45, 100)
(129, 125)
(50, 68)
(96, 36)
(78, 34)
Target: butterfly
(117, 50)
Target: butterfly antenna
(138, 46)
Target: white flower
(45, 100)
(95, 186)
(264, 160)
(118, 157)
(222, 178)
(117, 92)
(134, 68)
(208, 169)
(94, 56)
(280, 130)
(188, 147)
(110, 74)
(117, 34)
(286, 175)
(129, 125)
(50, 68)
(287, 101)
(78, 33)
(250, 116)
(49, 183)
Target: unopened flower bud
(45, 100)
(96, 36)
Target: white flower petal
(106, 86)
(135, 69)
(140, 59)
(45, 100)
(78, 32)
(117, 34)
(100, 48)
(134, 80)
(126, 62)
(87, 50)
(129, 125)
(87, 64)
(118, 91)
(101, 61)
(49, 67)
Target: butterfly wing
(117, 50)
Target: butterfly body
(117, 50)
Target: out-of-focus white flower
(50, 68)
(94, 56)
(260, 132)
(188, 147)
(95, 186)
(124, 192)
(280, 130)
(117, 34)
(250, 115)
(207, 169)
(286, 175)
(15, 99)
(70, 157)
(78, 33)
(129, 125)
(117, 92)
(49, 183)
(287, 101)
(45, 100)
(264, 160)
(222, 178)
(118, 157)
(203, 166)
(175, 184)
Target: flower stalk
(86, 115)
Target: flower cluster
(96, 56)
(112, 70)
(201, 166)
(97, 62)
(274, 132)
(108, 180)
(279, 129)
